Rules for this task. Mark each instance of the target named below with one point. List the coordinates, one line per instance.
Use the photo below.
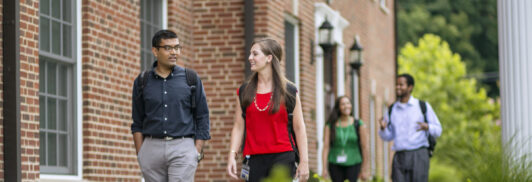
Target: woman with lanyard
(345, 150)
(267, 142)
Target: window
(57, 134)
(151, 21)
(372, 121)
(291, 40)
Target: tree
(470, 28)
(466, 113)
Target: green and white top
(345, 144)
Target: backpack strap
(390, 115)
(143, 80)
(290, 105)
(357, 129)
(240, 99)
(192, 77)
(423, 106)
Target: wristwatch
(200, 155)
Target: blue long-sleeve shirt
(404, 128)
(166, 109)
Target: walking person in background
(170, 115)
(265, 106)
(345, 145)
(410, 128)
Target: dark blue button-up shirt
(165, 108)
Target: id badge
(245, 172)
(341, 158)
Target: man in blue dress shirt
(409, 131)
(168, 132)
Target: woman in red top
(267, 141)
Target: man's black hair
(408, 77)
(162, 34)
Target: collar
(174, 72)
(411, 102)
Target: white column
(340, 70)
(320, 112)
(515, 65)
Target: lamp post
(325, 41)
(355, 62)
(325, 38)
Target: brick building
(69, 65)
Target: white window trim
(165, 14)
(294, 21)
(78, 177)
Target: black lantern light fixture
(325, 35)
(355, 54)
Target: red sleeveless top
(266, 133)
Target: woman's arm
(364, 139)
(301, 137)
(236, 140)
(325, 152)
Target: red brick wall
(219, 58)
(29, 89)
(111, 52)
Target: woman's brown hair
(280, 94)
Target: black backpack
(191, 77)
(290, 105)
(431, 139)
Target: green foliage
(470, 146)
(440, 172)
(469, 26)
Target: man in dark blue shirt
(168, 132)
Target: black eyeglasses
(170, 48)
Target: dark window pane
(42, 112)
(63, 153)
(290, 51)
(42, 147)
(52, 114)
(62, 118)
(44, 7)
(52, 149)
(42, 74)
(67, 10)
(51, 78)
(148, 12)
(62, 80)
(56, 9)
(67, 41)
(44, 34)
(56, 37)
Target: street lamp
(325, 40)
(355, 62)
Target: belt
(168, 138)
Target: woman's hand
(231, 167)
(364, 174)
(302, 171)
(324, 173)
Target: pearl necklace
(257, 106)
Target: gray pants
(411, 166)
(173, 160)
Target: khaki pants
(172, 160)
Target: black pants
(411, 166)
(261, 165)
(341, 173)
